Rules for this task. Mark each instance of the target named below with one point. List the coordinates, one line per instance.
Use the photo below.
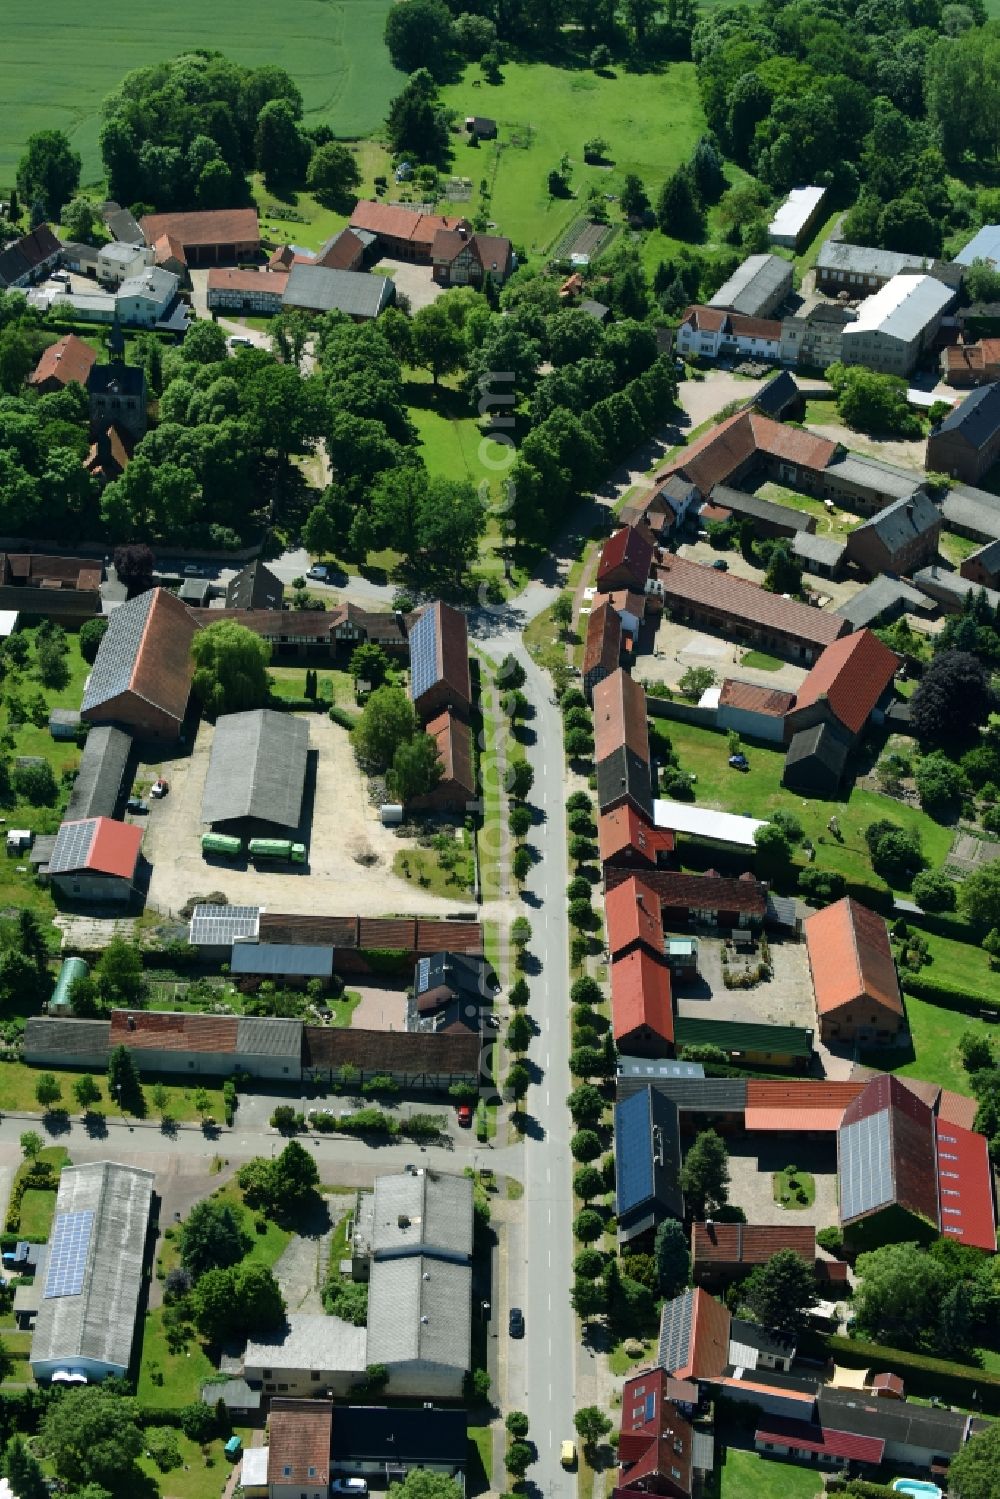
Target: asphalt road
(541, 1369)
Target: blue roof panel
(633, 1152)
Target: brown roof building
(626, 839)
(642, 1015)
(343, 252)
(141, 679)
(705, 898)
(694, 1336)
(753, 711)
(966, 365)
(416, 1059)
(439, 662)
(457, 787)
(66, 588)
(602, 651)
(723, 1251)
(853, 973)
(741, 610)
(751, 442)
(887, 1167)
(849, 684)
(464, 259)
(632, 913)
(299, 1435)
(620, 717)
(983, 566)
(656, 1443)
(68, 359)
(208, 237)
(405, 233)
(626, 559)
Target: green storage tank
(221, 843)
(71, 970)
(270, 848)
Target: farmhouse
(966, 365)
(439, 662)
(849, 685)
(620, 717)
(627, 840)
(141, 679)
(93, 1273)
(184, 1041)
(256, 292)
(853, 973)
(797, 217)
(446, 978)
(255, 587)
(144, 300)
(899, 539)
(311, 1355)
(721, 1252)
(642, 1018)
(966, 444)
(751, 443)
(708, 900)
(29, 259)
(896, 325)
(463, 259)
(742, 611)
(983, 566)
(94, 859)
(602, 650)
(211, 237)
(632, 912)
(66, 360)
(647, 1166)
(315, 288)
(710, 332)
(456, 789)
(66, 588)
(694, 1336)
(658, 1452)
(256, 774)
(298, 1452)
(626, 558)
(404, 233)
(756, 287)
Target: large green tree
(333, 175)
(419, 34)
(779, 1293)
(90, 1435)
(212, 1237)
(230, 668)
(23, 1472)
(673, 1257)
(974, 1472)
(899, 1294)
(417, 122)
(705, 1175)
(387, 722)
(48, 172)
(416, 768)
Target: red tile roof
(603, 647)
(629, 548)
(628, 601)
(490, 250)
(765, 1093)
(891, 1383)
(299, 1435)
(640, 996)
(715, 320)
(809, 1438)
(454, 747)
(341, 253)
(626, 828)
(632, 911)
(850, 956)
(740, 599)
(852, 674)
(69, 358)
(749, 1243)
(181, 1030)
(704, 319)
(215, 226)
(965, 1186)
(719, 453)
(905, 1149)
(401, 223)
(225, 278)
(163, 668)
(620, 717)
(754, 699)
(167, 247)
(699, 892)
(708, 1350)
(955, 1108)
(114, 848)
(790, 1121)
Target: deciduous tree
(779, 1293)
(705, 1175)
(230, 668)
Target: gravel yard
(785, 999)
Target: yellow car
(567, 1454)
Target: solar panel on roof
(72, 845)
(111, 673)
(424, 667)
(650, 1407)
(675, 1332)
(633, 1152)
(220, 926)
(423, 975)
(68, 1254)
(865, 1165)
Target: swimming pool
(917, 1489)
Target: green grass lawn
(838, 522)
(758, 791)
(651, 122)
(18, 1080)
(425, 868)
(265, 1248)
(761, 661)
(789, 1197)
(956, 548)
(332, 48)
(37, 1209)
(200, 1476)
(934, 1032)
(166, 1379)
(290, 681)
(746, 1475)
(479, 1476)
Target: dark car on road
(515, 1322)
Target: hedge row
(946, 995)
(922, 1374)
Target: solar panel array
(633, 1152)
(675, 1332)
(423, 975)
(865, 1165)
(68, 1254)
(116, 654)
(425, 668)
(221, 926)
(72, 846)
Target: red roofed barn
(627, 840)
(656, 1445)
(642, 1016)
(632, 910)
(141, 679)
(850, 684)
(625, 561)
(457, 786)
(211, 237)
(95, 859)
(602, 651)
(68, 359)
(439, 662)
(853, 973)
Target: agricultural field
(650, 121)
(57, 77)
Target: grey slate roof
(820, 742)
(984, 245)
(328, 1344)
(268, 1036)
(623, 773)
(255, 587)
(420, 1311)
(257, 768)
(423, 1212)
(951, 589)
(904, 519)
(777, 394)
(753, 285)
(98, 1322)
(279, 958)
(86, 1041)
(235, 1394)
(872, 474)
(977, 418)
(111, 672)
(100, 779)
(988, 555)
(883, 597)
(893, 1420)
(862, 260)
(758, 509)
(823, 549)
(972, 510)
(356, 293)
(121, 225)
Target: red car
(465, 1115)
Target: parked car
(192, 570)
(136, 804)
(465, 1115)
(739, 762)
(159, 789)
(349, 1486)
(319, 571)
(493, 1022)
(721, 565)
(515, 1322)
(567, 1454)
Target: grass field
(745, 1475)
(934, 1032)
(651, 122)
(332, 48)
(18, 1080)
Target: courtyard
(753, 1161)
(784, 999)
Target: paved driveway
(417, 281)
(785, 999)
(677, 647)
(751, 1167)
(381, 1009)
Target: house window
(282, 1387)
(315, 1375)
(268, 1373)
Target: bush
(831, 1239)
(946, 995)
(283, 1118)
(934, 891)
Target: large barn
(257, 772)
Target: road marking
(548, 1173)
(548, 1098)
(550, 1308)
